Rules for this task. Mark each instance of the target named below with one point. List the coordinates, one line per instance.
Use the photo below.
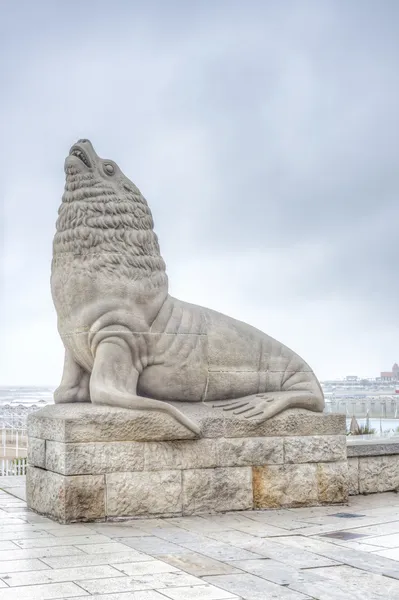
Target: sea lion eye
(109, 169)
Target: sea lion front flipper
(74, 386)
(114, 380)
(261, 407)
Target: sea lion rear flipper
(114, 380)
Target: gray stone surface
(372, 447)
(276, 486)
(128, 343)
(146, 493)
(78, 498)
(85, 422)
(238, 452)
(321, 448)
(378, 474)
(43, 560)
(332, 482)
(221, 489)
(94, 457)
(37, 452)
(181, 455)
(353, 476)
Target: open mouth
(79, 153)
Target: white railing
(13, 442)
(12, 466)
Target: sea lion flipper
(74, 386)
(114, 381)
(261, 407)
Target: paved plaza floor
(326, 553)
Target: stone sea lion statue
(128, 343)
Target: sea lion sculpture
(128, 343)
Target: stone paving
(325, 553)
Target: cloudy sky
(265, 137)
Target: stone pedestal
(91, 463)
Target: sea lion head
(104, 222)
(83, 166)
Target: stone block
(317, 448)
(86, 422)
(217, 490)
(191, 454)
(296, 422)
(276, 486)
(239, 452)
(372, 447)
(37, 452)
(353, 476)
(332, 482)
(67, 499)
(94, 457)
(378, 474)
(144, 493)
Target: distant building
(391, 375)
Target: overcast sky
(265, 137)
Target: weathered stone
(276, 486)
(291, 422)
(372, 447)
(332, 482)
(217, 490)
(94, 457)
(192, 454)
(67, 499)
(238, 452)
(320, 448)
(144, 493)
(85, 422)
(37, 452)
(353, 476)
(378, 474)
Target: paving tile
(385, 541)
(367, 561)
(200, 592)
(144, 595)
(19, 554)
(43, 592)
(67, 531)
(392, 553)
(24, 535)
(356, 581)
(322, 590)
(220, 551)
(103, 548)
(139, 582)
(3, 584)
(64, 541)
(250, 587)
(145, 568)
(18, 566)
(176, 535)
(300, 559)
(85, 560)
(276, 572)
(8, 545)
(198, 524)
(118, 531)
(60, 575)
(198, 564)
(153, 545)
